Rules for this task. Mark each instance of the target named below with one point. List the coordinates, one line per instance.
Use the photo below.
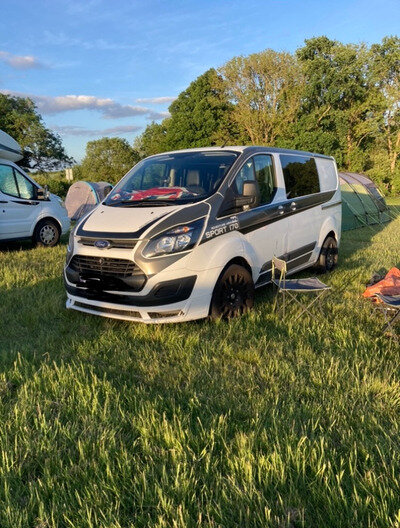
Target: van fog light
(160, 315)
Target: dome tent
(83, 196)
(362, 202)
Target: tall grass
(255, 422)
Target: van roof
(247, 150)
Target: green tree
(385, 71)
(153, 140)
(339, 114)
(265, 89)
(43, 150)
(107, 159)
(200, 116)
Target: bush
(56, 183)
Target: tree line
(337, 99)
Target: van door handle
(281, 210)
(293, 206)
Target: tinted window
(25, 187)
(301, 176)
(265, 177)
(7, 181)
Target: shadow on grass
(25, 244)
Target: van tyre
(233, 294)
(46, 234)
(328, 256)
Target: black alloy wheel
(233, 294)
(328, 256)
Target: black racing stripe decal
(309, 248)
(9, 149)
(114, 234)
(181, 216)
(294, 258)
(248, 221)
(299, 261)
(273, 213)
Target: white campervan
(192, 233)
(26, 210)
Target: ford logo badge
(102, 244)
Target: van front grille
(114, 243)
(103, 266)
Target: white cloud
(109, 108)
(20, 62)
(71, 130)
(155, 100)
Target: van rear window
(301, 175)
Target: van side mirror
(250, 195)
(42, 193)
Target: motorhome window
(182, 177)
(301, 176)
(25, 187)
(7, 181)
(265, 177)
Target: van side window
(246, 173)
(258, 168)
(8, 184)
(265, 177)
(301, 175)
(25, 187)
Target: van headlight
(70, 247)
(180, 238)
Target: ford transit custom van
(26, 210)
(192, 233)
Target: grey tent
(362, 202)
(83, 196)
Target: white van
(26, 210)
(192, 233)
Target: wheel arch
(328, 228)
(48, 217)
(240, 261)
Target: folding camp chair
(291, 287)
(390, 306)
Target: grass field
(250, 423)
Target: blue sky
(98, 67)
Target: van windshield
(172, 178)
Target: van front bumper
(179, 299)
